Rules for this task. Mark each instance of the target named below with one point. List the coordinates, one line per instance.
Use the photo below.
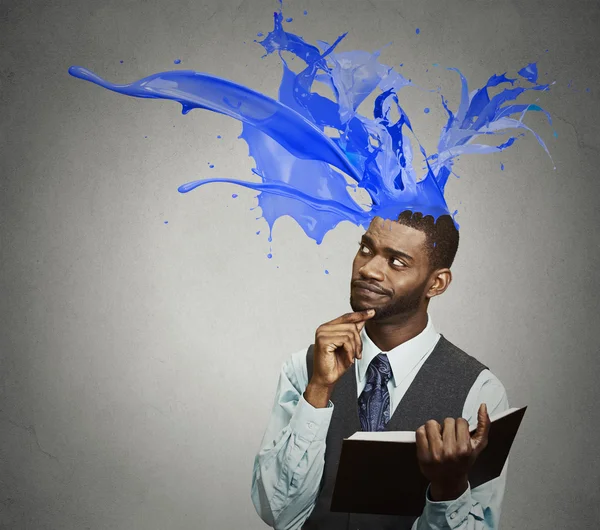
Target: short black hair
(441, 236)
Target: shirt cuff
(451, 513)
(309, 422)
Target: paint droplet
(587, 89)
(234, 195)
(211, 166)
(121, 62)
(259, 34)
(502, 167)
(289, 19)
(145, 137)
(555, 134)
(218, 136)
(305, 12)
(417, 31)
(326, 271)
(435, 64)
(177, 61)
(258, 232)
(426, 110)
(269, 255)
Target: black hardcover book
(379, 472)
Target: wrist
(448, 491)
(318, 394)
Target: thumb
(479, 439)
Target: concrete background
(138, 359)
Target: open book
(379, 472)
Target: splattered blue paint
(326, 271)
(289, 19)
(177, 61)
(305, 12)
(218, 136)
(502, 167)
(426, 110)
(529, 72)
(306, 172)
(234, 195)
(417, 31)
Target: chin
(357, 306)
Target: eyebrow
(388, 250)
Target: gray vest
(438, 391)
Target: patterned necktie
(374, 401)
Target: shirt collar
(404, 357)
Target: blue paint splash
(311, 151)
(529, 72)
(177, 61)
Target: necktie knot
(380, 368)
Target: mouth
(367, 289)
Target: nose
(372, 269)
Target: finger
(340, 347)
(434, 439)
(483, 427)
(463, 436)
(449, 436)
(357, 316)
(341, 339)
(422, 444)
(346, 328)
(360, 325)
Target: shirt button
(452, 515)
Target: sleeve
(477, 508)
(289, 464)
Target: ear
(439, 281)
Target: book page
(410, 436)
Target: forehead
(391, 234)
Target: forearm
(288, 468)
(475, 509)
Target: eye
(362, 248)
(396, 262)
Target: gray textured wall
(138, 360)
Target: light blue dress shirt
(289, 465)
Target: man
(383, 367)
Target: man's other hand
(446, 453)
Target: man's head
(401, 264)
